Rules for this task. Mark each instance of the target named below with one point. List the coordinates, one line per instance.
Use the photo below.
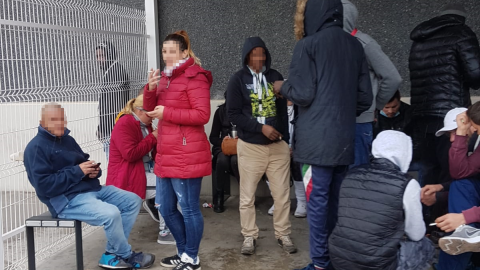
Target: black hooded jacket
(444, 64)
(239, 102)
(329, 81)
(114, 93)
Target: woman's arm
(149, 98)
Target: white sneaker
(301, 211)
(270, 211)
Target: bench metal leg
(30, 248)
(79, 244)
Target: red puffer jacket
(183, 150)
(127, 148)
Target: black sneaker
(187, 266)
(150, 208)
(141, 260)
(171, 262)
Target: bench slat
(46, 220)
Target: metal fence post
(2, 257)
(153, 31)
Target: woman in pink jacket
(180, 99)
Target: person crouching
(379, 204)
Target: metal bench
(46, 220)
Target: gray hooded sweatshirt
(383, 74)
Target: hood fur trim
(299, 26)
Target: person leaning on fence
(224, 162)
(67, 182)
(180, 100)
(132, 153)
(114, 92)
(379, 204)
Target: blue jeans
(186, 228)
(464, 194)
(363, 143)
(323, 209)
(113, 208)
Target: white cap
(450, 121)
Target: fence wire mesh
(91, 57)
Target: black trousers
(225, 167)
(430, 157)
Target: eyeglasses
(141, 109)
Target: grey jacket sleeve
(389, 79)
(364, 92)
(300, 87)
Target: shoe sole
(104, 266)
(166, 242)
(167, 265)
(288, 252)
(248, 253)
(455, 245)
(148, 265)
(149, 211)
(300, 215)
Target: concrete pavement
(220, 247)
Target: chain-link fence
(90, 57)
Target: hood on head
(252, 43)
(429, 28)
(394, 146)
(108, 50)
(318, 15)
(350, 16)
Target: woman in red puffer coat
(180, 99)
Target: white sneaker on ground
(301, 211)
(270, 211)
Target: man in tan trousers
(262, 123)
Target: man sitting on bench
(67, 182)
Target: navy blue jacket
(52, 165)
(329, 82)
